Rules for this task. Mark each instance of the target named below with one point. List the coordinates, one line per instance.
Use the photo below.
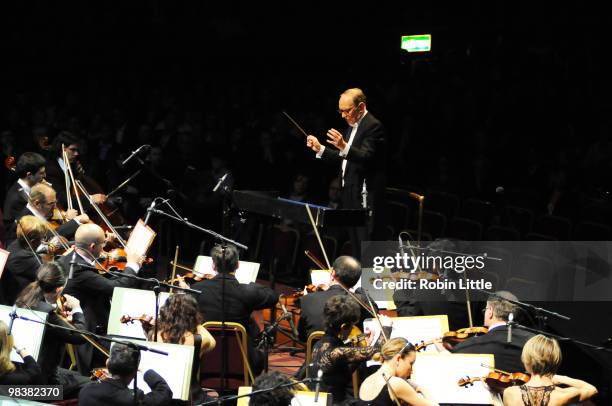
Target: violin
(10, 163)
(115, 260)
(100, 374)
(356, 338)
(451, 338)
(125, 319)
(497, 380)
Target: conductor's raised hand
(313, 143)
(334, 137)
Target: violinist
(22, 264)
(496, 314)
(57, 168)
(30, 170)
(332, 356)
(42, 295)
(346, 271)
(91, 288)
(379, 389)
(541, 357)
(43, 201)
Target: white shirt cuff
(77, 310)
(133, 265)
(345, 151)
(320, 153)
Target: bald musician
(92, 289)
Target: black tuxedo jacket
(55, 176)
(507, 355)
(21, 268)
(114, 392)
(365, 160)
(312, 305)
(16, 200)
(54, 341)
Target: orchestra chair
(238, 370)
(312, 339)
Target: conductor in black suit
(507, 354)
(92, 289)
(360, 153)
(122, 365)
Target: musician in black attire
(507, 355)
(360, 154)
(240, 299)
(346, 271)
(15, 374)
(30, 170)
(42, 295)
(122, 365)
(22, 263)
(94, 290)
(332, 356)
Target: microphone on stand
(151, 207)
(364, 195)
(134, 153)
(318, 387)
(221, 180)
(72, 264)
(510, 323)
(13, 316)
(291, 323)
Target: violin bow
(25, 236)
(176, 252)
(74, 185)
(394, 397)
(67, 180)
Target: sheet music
(141, 238)
(25, 333)
(135, 303)
(320, 277)
(3, 258)
(246, 273)
(175, 367)
(439, 373)
(420, 328)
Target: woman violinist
(42, 295)
(11, 374)
(388, 385)
(542, 357)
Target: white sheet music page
(3, 258)
(141, 238)
(246, 273)
(419, 329)
(25, 333)
(134, 303)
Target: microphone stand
(224, 399)
(266, 339)
(135, 346)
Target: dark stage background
(511, 109)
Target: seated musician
(541, 357)
(11, 374)
(30, 170)
(240, 299)
(346, 271)
(123, 365)
(22, 263)
(43, 205)
(277, 397)
(379, 389)
(507, 355)
(93, 289)
(42, 295)
(180, 323)
(57, 169)
(332, 356)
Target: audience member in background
(42, 295)
(11, 374)
(390, 383)
(542, 357)
(123, 365)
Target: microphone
(72, 263)
(13, 316)
(318, 387)
(134, 153)
(364, 195)
(151, 207)
(291, 323)
(416, 196)
(220, 182)
(510, 323)
(123, 227)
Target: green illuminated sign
(416, 43)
